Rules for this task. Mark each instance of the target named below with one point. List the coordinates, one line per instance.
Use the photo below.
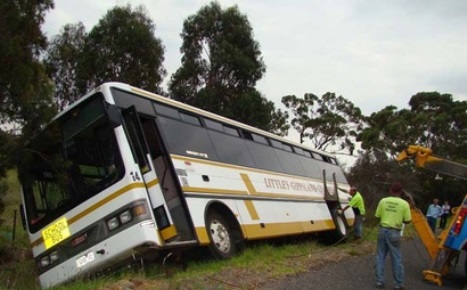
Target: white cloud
(374, 53)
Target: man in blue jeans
(433, 213)
(393, 212)
(358, 206)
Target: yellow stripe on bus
(152, 183)
(169, 232)
(251, 209)
(203, 237)
(96, 206)
(260, 231)
(213, 190)
(249, 185)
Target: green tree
(25, 90)
(62, 62)
(21, 43)
(329, 120)
(221, 64)
(279, 122)
(123, 47)
(433, 120)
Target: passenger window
(299, 151)
(230, 131)
(260, 139)
(166, 111)
(276, 144)
(287, 147)
(213, 125)
(247, 135)
(190, 119)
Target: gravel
(358, 273)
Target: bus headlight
(113, 223)
(125, 216)
(45, 261)
(54, 257)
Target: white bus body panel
(132, 237)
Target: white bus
(124, 174)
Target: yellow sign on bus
(55, 233)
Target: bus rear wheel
(339, 234)
(224, 237)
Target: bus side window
(149, 129)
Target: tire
(340, 233)
(225, 239)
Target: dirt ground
(241, 278)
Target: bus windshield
(69, 162)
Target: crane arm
(423, 158)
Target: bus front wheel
(224, 237)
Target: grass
(15, 256)
(260, 262)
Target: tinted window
(185, 139)
(299, 150)
(53, 184)
(213, 125)
(311, 167)
(275, 143)
(317, 156)
(330, 169)
(290, 162)
(190, 119)
(264, 156)
(166, 111)
(247, 135)
(231, 131)
(125, 100)
(231, 149)
(287, 147)
(260, 139)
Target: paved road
(358, 273)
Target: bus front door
(165, 193)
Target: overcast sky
(372, 52)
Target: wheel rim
(340, 224)
(220, 236)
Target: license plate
(83, 260)
(55, 233)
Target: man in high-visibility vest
(358, 207)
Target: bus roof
(166, 100)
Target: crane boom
(424, 158)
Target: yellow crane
(444, 249)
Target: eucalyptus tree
(62, 62)
(325, 121)
(433, 120)
(23, 83)
(123, 47)
(25, 91)
(221, 64)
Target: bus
(126, 175)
